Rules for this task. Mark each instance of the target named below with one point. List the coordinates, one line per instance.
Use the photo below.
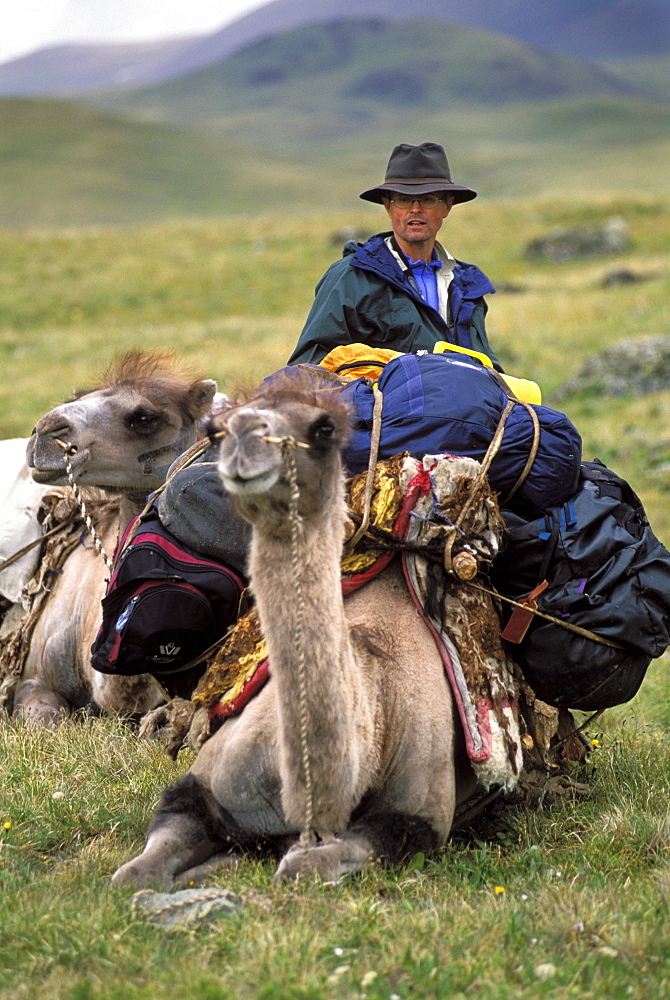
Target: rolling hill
(358, 67)
(650, 76)
(67, 166)
(62, 165)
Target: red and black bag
(165, 605)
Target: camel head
(297, 411)
(125, 433)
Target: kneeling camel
(353, 740)
(122, 436)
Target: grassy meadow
(571, 901)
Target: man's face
(416, 228)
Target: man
(401, 290)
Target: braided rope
(69, 449)
(307, 836)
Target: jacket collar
(374, 255)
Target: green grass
(581, 889)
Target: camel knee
(191, 807)
(188, 829)
(40, 705)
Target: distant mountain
(586, 29)
(344, 76)
(70, 69)
(650, 75)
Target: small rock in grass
(545, 970)
(185, 908)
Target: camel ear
(201, 395)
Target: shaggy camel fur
(385, 763)
(124, 434)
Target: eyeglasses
(425, 201)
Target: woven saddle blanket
(417, 508)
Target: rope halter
(71, 449)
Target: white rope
(69, 449)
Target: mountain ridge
(585, 29)
(346, 76)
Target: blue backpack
(437, 403)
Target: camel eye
(322, 431)
(142, 420)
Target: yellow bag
(523, 388)
(350, 361)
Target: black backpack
(605, 571)
(164, 606)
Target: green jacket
(366, 298)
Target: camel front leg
(39, 704)
(187, 833)
(229, 800)
(390, 838)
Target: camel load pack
(600, 579)
(583, 580)
(590, 580)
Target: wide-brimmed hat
(417, 170)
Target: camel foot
(200, 873)
(156, 723)
(159, 873)
(144, 873)
(39, 705)
(329, 861)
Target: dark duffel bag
(594, 563)
(195, 509)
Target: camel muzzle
(45, 458)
